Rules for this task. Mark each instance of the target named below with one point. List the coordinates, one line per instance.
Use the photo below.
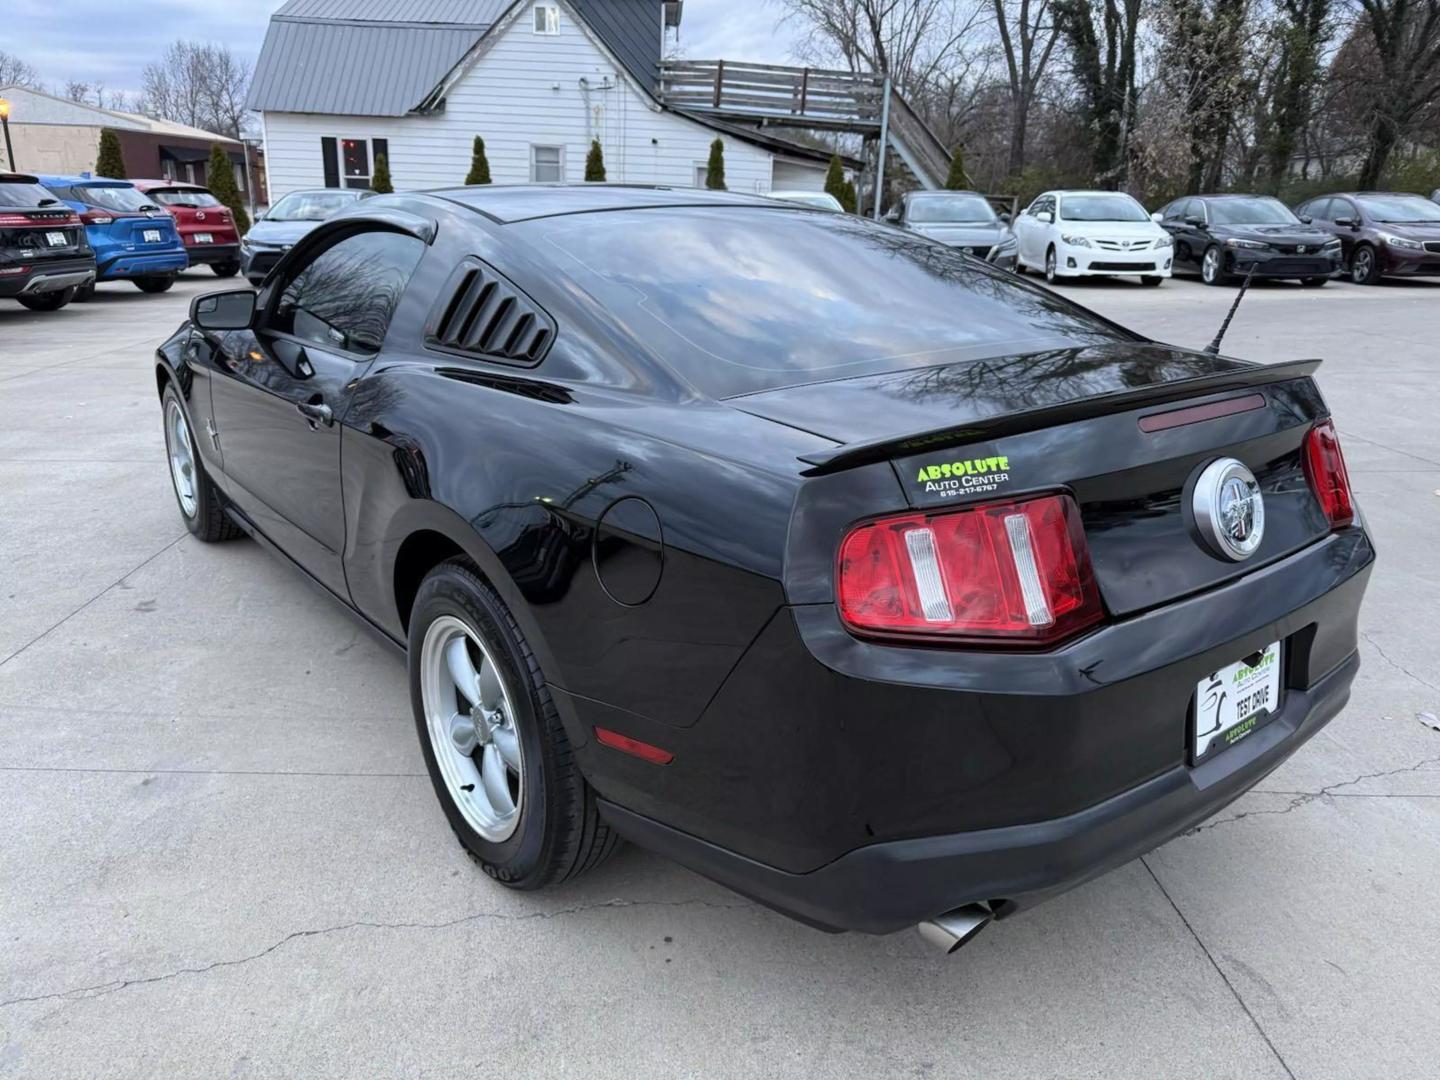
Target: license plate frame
(151, 236)
(1236, 701)
(57, 239)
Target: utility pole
(5, 123)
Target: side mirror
(233, 310)
(1005, 216)
(1195, 222)
(1046, 216)
(1157, 217)
(893, 215)
(1343, 222)
(1306, 219)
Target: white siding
(525, 90)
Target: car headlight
(1006, 246)
(1254, 245)
(1165, 241)
(1402, 242)
(1331, 245)
(1075, 241)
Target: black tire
(1213, 274)
(560, 832)
(1151, 280)
(1365, 266)
(225, 269)
(155, 283)
(1314, 282)
(1051, 265)
(209, 522)
(48, 301)
(85, 293)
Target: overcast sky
(100, 41)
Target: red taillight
(11, 271)
(1015, 572)
(1325, 468)
(96, 217)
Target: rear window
(112, 198)
(741, 300)
(24, 196)
(182, 198)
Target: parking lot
(223, 857)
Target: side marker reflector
(634, 747)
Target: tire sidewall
(1369, 277)
(519, 860)
(1052, 266)
(1205, 274)
(202, 482)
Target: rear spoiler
(866, 453)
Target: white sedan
(1092, 233)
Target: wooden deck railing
(817, 96)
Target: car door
(1186, 225)
(281, 391)
(1346, 211)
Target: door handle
(316, 412)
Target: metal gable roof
(480, 13)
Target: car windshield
(817, 199)
(310, 205)
(183, 197)
(740, 300)
(951, 210)
(1394, 209)
(1250, 212)
(123, 199)
(1101, 206)
(21, 195)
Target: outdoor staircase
(815, 98)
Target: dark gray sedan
(960, 219)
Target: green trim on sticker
(972, 467)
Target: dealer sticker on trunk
(964, 476)
(1233, 702)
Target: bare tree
(1028, 33)
(1103, 61)
(16, 72)
(911, 41)
(202, 85)
(1397, 45)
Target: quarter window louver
(487, 316)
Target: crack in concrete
(1304, 798)
(85, 993)
(1396, 664)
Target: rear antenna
(1214, 347)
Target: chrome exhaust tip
(950, 931)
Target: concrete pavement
(222, 856)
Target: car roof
(357, 192)
(1228, 195)
(18, 178)
(178, 185)
(508, 203)
(82, 181)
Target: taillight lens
(1013, 573)
(1329, 479)
(96, 217)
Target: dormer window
(547, 18)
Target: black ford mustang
(872, 581)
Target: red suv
(206, 227)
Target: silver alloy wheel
(1050, 267)
(1210, 267)
(471, 722)
(182, 457)
(1362, 266)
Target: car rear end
(206, 226)
(133, 239)
(43, 248)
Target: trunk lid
(31, 236)
(1126, 428)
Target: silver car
(961, 219)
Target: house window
(355, 163)
(547, 164)
(547, 18)
(702, 173)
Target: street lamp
(5, 123)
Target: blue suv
(134, 240)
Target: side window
(1344, 208)
(1321, 209)
(344, 298)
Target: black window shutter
(380, 148)
(332, 162)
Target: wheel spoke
(492, 696)
(462, 670)
(495, 778)
(462, 733)
(508, 743)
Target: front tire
(1051, 265)
(498, 756)
(1212, 267)
(49, 301)
(155, 283)
(225, 269)
(1365, 266)
(201, 505)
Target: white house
(341, 82)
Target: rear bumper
(132, 264)
(213, 254)
(859, 786)
(49, 277)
